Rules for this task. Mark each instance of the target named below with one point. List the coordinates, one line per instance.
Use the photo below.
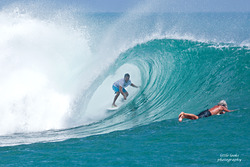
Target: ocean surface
(57, 68)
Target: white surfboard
(112, 108)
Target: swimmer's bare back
(219, 110)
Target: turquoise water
(165, 143)
(57, 70)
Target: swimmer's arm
(233, 110)
(133, 85)
(225, 109)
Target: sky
(157, 5)
(174, 5)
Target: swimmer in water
(220, 108)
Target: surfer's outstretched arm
(133, 85)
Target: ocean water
(58, 67)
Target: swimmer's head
(223, 103)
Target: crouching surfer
(119, 87)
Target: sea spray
(38, 62)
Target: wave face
(56, 78)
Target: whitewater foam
(38, 61)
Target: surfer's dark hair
(127, 75)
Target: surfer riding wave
(119, 87)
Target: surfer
(119, 87)
(220, 108)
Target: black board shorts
(205, 113)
